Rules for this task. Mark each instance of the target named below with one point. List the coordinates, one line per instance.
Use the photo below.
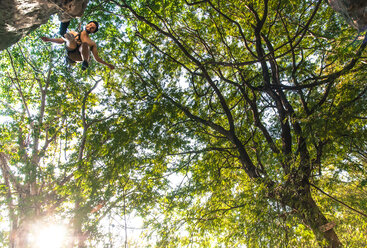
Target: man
(79, 45)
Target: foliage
(215, 125)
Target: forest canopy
(224, 124)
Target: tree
(260, 88)
(71, 146)
(225, 124)
(47, 160)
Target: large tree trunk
(300, 199)
(315, 219)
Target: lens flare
(49, 235)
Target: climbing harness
(68, 60)
(63, 30)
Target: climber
(79, 45)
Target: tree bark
(299, 198)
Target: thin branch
(27, 61)
(202, 151)
(195, 3)
(333, 198)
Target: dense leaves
(225, 124)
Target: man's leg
(64, 27)
(84, 51)
(70, 41)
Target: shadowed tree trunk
(298, 197)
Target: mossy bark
(298, 196)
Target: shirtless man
(79, 46)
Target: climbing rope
(80, 24)
(62, 10)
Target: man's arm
(56, 40)
(98, 59)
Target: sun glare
(49, 236)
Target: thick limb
(70, 41)
(63, 27)
(99, 60)
(315, 219)
(85, 52)
(298, 196)
(53, 40)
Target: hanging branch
(333, 198)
